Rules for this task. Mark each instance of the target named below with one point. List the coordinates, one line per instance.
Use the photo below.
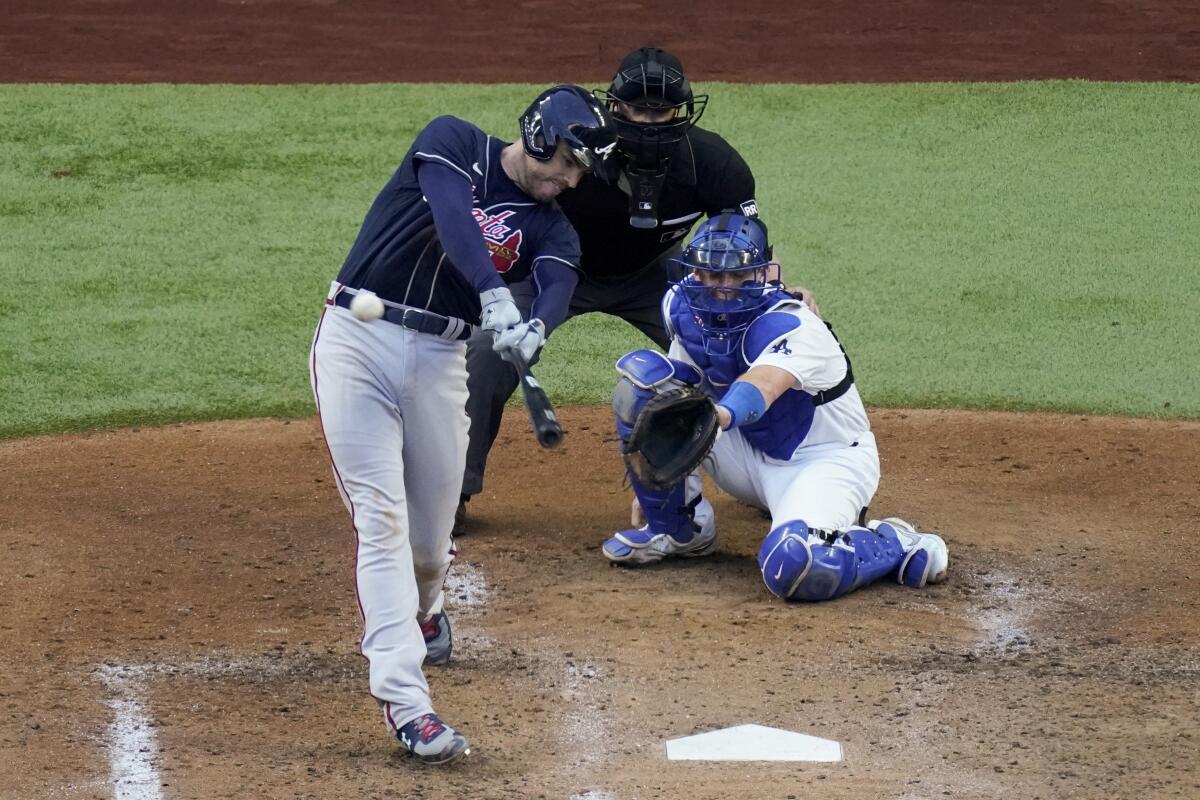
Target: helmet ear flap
(533, 129)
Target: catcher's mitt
(672, 434)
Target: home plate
(752, 743)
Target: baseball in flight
(366, 306)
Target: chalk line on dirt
(132, 745)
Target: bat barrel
(546, 427)
(549, 432)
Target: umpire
(672, 174)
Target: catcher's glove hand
(671, 436)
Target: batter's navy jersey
(705, 177)
(397, 254)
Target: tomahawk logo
(503, 241)
(781, 347)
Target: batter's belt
(415, 319)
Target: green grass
(164, 249)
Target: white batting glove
(499, 311)
(526, 339)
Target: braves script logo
(503, 242)
(781, 347)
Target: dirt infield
(176, 604)
(197, 579)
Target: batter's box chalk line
(753, 743)
(133, 752)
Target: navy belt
(415, 319)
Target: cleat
(432, 741)
(641, 546)
(438, 639)
(926, 557)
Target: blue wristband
(744, 402)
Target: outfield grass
(165, 249)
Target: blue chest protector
(781, 430)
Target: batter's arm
(555, 281)
(449, 196)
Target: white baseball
(366, 306)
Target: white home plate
(752, 743)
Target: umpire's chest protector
(781, 430)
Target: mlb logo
(645, 206)
(750, 208)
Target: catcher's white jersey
(830, 475)
(809, 352)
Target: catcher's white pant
(826, 485)
(392, 406)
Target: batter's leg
(490, 381)
(435, 447)
(365, 435)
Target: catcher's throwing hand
(724, 418)
(671, 436)
(775, 276)
(637, 517)
(806, 296)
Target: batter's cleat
(439, 641)
(926, 558)
(643, 546)
(433, 741)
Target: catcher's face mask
(726, 266)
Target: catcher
(788, 432)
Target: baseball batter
(464, 215)
(795, 441)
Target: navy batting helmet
(726, 267)
(571, 114)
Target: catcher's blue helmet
(570, 113)
(725, 269)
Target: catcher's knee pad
(785, 558)
(798, 563)
(645, 373)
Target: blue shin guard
(798, 563)
(671, 528)
(926, 558)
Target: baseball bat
(546, 427)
